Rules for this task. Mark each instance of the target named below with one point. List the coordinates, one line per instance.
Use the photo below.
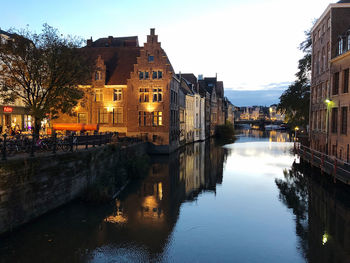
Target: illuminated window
(157, 118)
(117, 95)
(157, 95)
(118, 115)
(98, 95)
(103, 116)
(82, 118)
(150, 58)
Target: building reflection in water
(322, 214)
(136, 227)
(149, 212)
(259, 135)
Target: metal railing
(30, 145)
(331, 165)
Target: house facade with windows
(13, 114)
(153, 104)
(329, 99)
(135, 92)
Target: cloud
(254, 97)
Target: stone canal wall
(30, 187)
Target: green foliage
(295, 101)
(225, 132)
(44, 71)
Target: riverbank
(31, 187)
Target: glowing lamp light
(327, 101)
(296, 128)
(324, 238)
(109, 109)
(150, 107)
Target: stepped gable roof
(116, 42)
(220, 89)
(119, 62)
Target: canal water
(250, 201)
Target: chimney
(89, 42)
(152, 31)
(110, 39)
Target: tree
(44, 71)
(295, 101)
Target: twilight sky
(250, 44)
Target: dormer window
(98, 75)
(150, 58)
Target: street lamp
(295, 132)
(328, 103)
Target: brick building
(329, 101)
(134, 91)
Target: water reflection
(249, 135)
(322, 214)
(204, 203)
(136, 227)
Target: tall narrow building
(329, 101)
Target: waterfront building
(199, 107)
(274, 114)
(134, 91)
(229, 110)
(153, 97)
(329, 99)
(209, 85)
(13, 114)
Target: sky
(251, 45)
